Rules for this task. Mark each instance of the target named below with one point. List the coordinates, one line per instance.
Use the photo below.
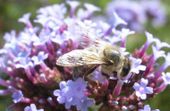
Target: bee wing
(79, 58)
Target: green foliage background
(11, 10)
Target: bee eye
(125, 70)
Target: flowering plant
(138, 13)
(36, 83)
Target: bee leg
(89, 71)
(83, 71)
(119, 76)
(77, 72)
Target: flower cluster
(36, 83)
(138, 12)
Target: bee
(110, 58)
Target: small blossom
(157, 53)
(39, 58)
(157, 19)
(136, 65)
(85, 103)
(138, 13)
(72, 93)
(121, 36)
(166, 78)
(123, 33)
(73, 4)
(25, 19)
(17, 96)
(167, 61)
(47, 15)
(159, 45)
(128, 11)
(141, 89)
(124, 108)
(117, 20)
(24, 62)
(88, 11)
(149, 41)
(32, 107)
(24, 36)
(147, 108)
(164, 66)
(10, 37)
(126, 32)
(91, 8)
(105, 28)
(150, 38)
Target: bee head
(113, 56)
(126, 67)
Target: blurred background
(11, 10)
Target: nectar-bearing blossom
(138, 13)
(147, 108)
(73, 93)
(36, 83)
(32, 107)
(166, 78)
(17, 96)
(142, 89)
(136, 65)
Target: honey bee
(108, 57)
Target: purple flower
(150, 38)
(157, 53)
(26, 19)
(166, 78)
(17, 96)
(121, 36)
(167, 61)
(32, 107)
(138, 13)
(23, 62)
(39, 58)
(141, 89)
(73, 5)
(124, 108)
(47, 15)
(118, 20)
(72, 93)
(158, 19)
(91, 8)
(26, 34)
(88, 11)
(147, 108)
(159, 45)
(136, 65)
(149, 41)
(84, 103)
(10, 38)
(128, 11)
